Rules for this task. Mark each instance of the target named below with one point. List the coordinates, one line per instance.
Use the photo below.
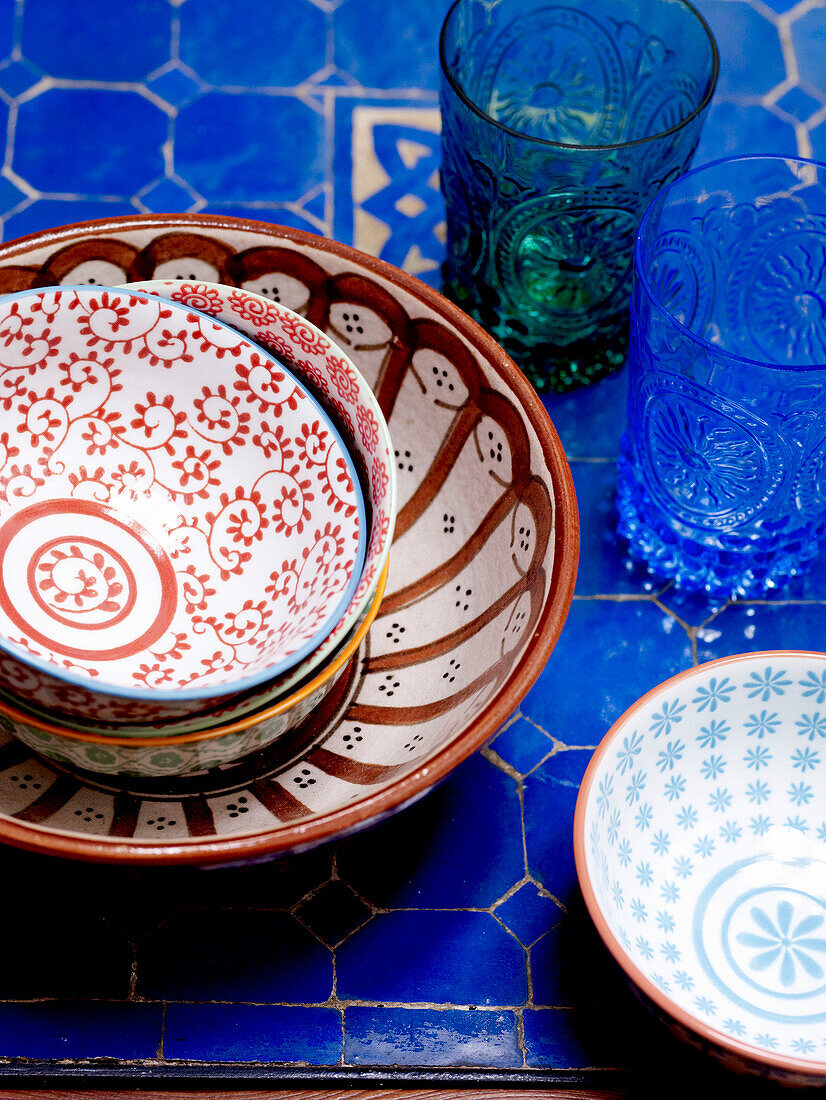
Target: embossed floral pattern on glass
(722, 478)
(560, 122)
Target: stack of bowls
(194, 525)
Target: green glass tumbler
(560, 123)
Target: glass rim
(573, 146)
(639, 273)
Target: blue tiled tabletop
(452, 935)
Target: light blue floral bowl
(700, 842)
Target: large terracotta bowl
(482, 567)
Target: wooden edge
(319, 1094)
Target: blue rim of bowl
(160, 695)
(684, 1018)
(715, 349)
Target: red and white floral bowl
(180, 519)
(175, 754)
(320, 363)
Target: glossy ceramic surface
(320, 362)
(312, 972)
(482, 565)
(700, 838)
(721, 479)
(144, 513)
(174, 753)
(560, 122)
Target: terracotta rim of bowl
(326, 826)
(252, 719)
(745, 1051)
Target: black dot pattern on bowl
(161, 822)
(468, 592)
(238, 807)
(304, 779)
(351, 739)
(524, 536)
(88, 814)
(518, 620)
(389, 686)
(442, 378)
(449, 522)
(403, 464)
(414, 741)
(272, 293)
(351, 323)
(394, 634)
(25, 781)
(496, 449)
(180, 277)
(450, 672)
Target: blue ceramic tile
(603, 567)
(808, 34)
(333, 912)
(743, 35)
(818, 139)
(252, 1033)
(610, 653)
(167, 196)
(549, 798)
(430, 1037)
(175, 87)
(528, 914)
(47, 213)
(249, 148)
(591, 421)
(235, 955)
(552, 1040)
(396, 177)
(263, 45)
(454, 849)
(10, 196)
(116, 150)
(84, 41)
(732, 129)
(432, 957)
(80, 1029)
(275, 215)
(403, 42)
(522, 746)
(748, 628)
(17, 77)
(799, 104)
(7, 28)
(564, 966)
(694, 608)
(42, 964)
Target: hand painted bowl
(163, 542)
(319, 362)
(184, 754)
(700, 843)
(482, 567)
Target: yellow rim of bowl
(233, 727)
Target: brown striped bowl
(482, 568)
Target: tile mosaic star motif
(361, 165)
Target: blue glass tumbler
(722, 475)
(560, 122)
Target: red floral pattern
(146, 511)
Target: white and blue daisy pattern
(707, 847)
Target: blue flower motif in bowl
(700, 843)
